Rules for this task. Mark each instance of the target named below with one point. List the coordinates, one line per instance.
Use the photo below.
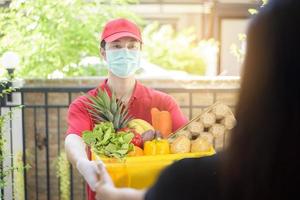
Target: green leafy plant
(104, 141)
(5, 170)
(239, 50)
(18, 167)
(19, 176)
(55, 35)
(5, 89)
(253, 11)
(63, 173)
(173, 50)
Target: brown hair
(261, 161)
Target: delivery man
(120, 47)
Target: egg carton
(214, 123)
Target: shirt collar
(137, 91)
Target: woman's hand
(105, 189)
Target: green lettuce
(104, 141)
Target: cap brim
(119, 35)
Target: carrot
(155, 118)
(165, 123)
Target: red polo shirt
(141, 102)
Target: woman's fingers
(104, 176)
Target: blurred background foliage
(239, 50)
(60, 38)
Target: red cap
(118, 28)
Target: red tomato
(137, 140)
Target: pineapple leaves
(104, 108)
(113, 105)
(105, 98)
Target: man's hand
(89, 170)
(76, 153)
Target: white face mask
(123, 62)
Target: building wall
(180, 14)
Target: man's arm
(78, 121)
(76, 154)
(75, 148)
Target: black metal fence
(43, 127)
(49, 126)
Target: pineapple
(103, 108)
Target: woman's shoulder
(189, 178)
(204, 167)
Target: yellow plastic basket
(142, 171)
